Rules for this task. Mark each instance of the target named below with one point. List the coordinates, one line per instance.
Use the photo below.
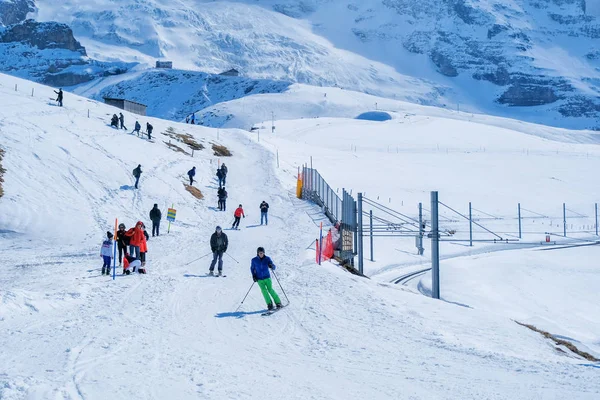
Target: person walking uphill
(239, 212)
(220, 177)
(191, 174)
(260, 273)
(155, 217)
(137, 173)
(264, 211)
(224, 173)
(149, 129)
(122, 121)
(59, 98)
(218, 245)
(222, 194)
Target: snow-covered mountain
(174, 94)
(536, 60)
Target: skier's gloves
(271, 265)
(254, 278)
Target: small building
(127, 105)
(231, 72)
(164, 64)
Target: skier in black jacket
(122, 242)
(218, 245)
(155, 217)
(222, 193)
(137, 173)
(60, 97)
(264, 211)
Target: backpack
(136, 173)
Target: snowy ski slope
(68, 333)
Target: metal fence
(342, 210)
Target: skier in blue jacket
(261, 275)
(191, 174)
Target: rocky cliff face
(46, 52)
(15, 11)
(43, 35)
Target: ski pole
(198, 258)
(277, 279)
(233, 258)
(251, 286)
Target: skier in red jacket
(239, 213)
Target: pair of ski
(216, 275)
(273, 311)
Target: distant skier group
(118, 122)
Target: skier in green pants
(260, 273)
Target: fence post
(277, 158)
(32, 92)
(519, 210)
(470, 226)
(15, 87)
(435, 248)
(360, 234)
(596, 219)
(421, 229)
(565, 219)
(371, 231)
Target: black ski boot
(103, 270)
(270, 306)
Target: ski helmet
(121, 226)
(260, 250)
(218, 229)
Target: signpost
(171, 213)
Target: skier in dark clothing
(122, 120)
(222, 193)
(260, 266)
(114, 121)
(155, 217)
(137, 128)
(60, 97)
(137, 173)
(220, 177)
(191, 174)
(149, 129)
(122, 242)
(224, 172)
(264, 211)
(193, 118)
(218, 245)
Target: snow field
(69, 333)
